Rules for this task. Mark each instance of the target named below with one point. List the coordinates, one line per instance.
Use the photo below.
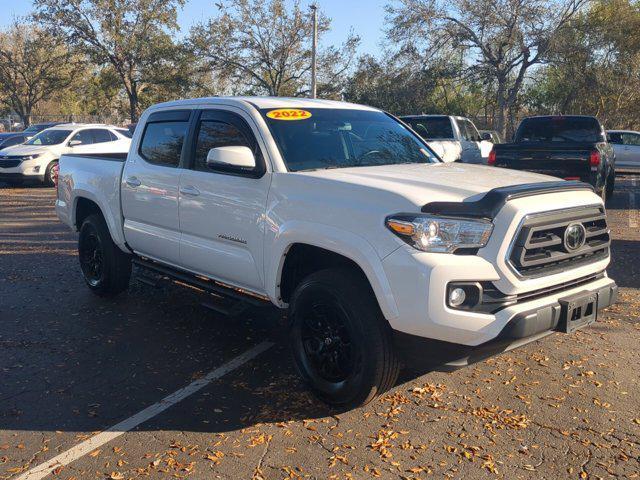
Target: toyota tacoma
(380, 254)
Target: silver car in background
(626, 145)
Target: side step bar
(237, 300)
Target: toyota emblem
(574, 237)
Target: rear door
(222, 209)
(150, 183)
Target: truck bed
(95, 176)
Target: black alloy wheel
(341, 343)
(327, 342)
(91, 255)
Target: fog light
(464, 295)
(457, 296)
(36, 169)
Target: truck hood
(422, 183)
(26, 150)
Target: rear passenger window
(162, 142)
(102, 136)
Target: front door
(222, 209)
(470, 142)
(150, 185)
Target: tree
(401, 86)
(132, 36)
(34, 66)
(502, 39)
(596, 69)
(264, 47)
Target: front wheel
(50, 174)
(106, 268)
(341, 343)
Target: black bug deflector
(490, 204)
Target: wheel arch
(301, 249)
(86, 203)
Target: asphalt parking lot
(73, 365)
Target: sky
(366, 17)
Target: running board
(241, 299)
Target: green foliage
(34, 65)
(264, 48)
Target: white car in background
(37, 158)
(454, 139)
(626, 146)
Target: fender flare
(117, 235)
(347, 244)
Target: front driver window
(213, 134)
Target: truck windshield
(321, 138)
(559, 129)
(49, 137)
(431, 128)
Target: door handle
(133, 182)
(189, 190)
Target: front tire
(49, 179)
(341, 342)
(106, 269)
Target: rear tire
(106, 269)
(610, 185)
(341, 343)
(48, 175)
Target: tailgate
(558, 162)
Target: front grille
(540, 247)
(9, 163)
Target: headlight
(432, 233)
(31, 157)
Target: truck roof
(266, 102)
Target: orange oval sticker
(289, 114)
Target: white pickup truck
(454, 139)
(381, 254)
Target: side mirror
(241, 157)
(486, 136)
(75, 143)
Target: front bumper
(522, 328)
(418, 282)
(26, 170)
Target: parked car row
(36, 158)
(346, 219)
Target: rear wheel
(341, 342)
(49, 174)
(610, 185)
(106, 268)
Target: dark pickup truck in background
(572, 147)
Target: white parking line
(100, 439)
(633, 214)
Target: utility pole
(314, 47)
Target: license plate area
(577, 311)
